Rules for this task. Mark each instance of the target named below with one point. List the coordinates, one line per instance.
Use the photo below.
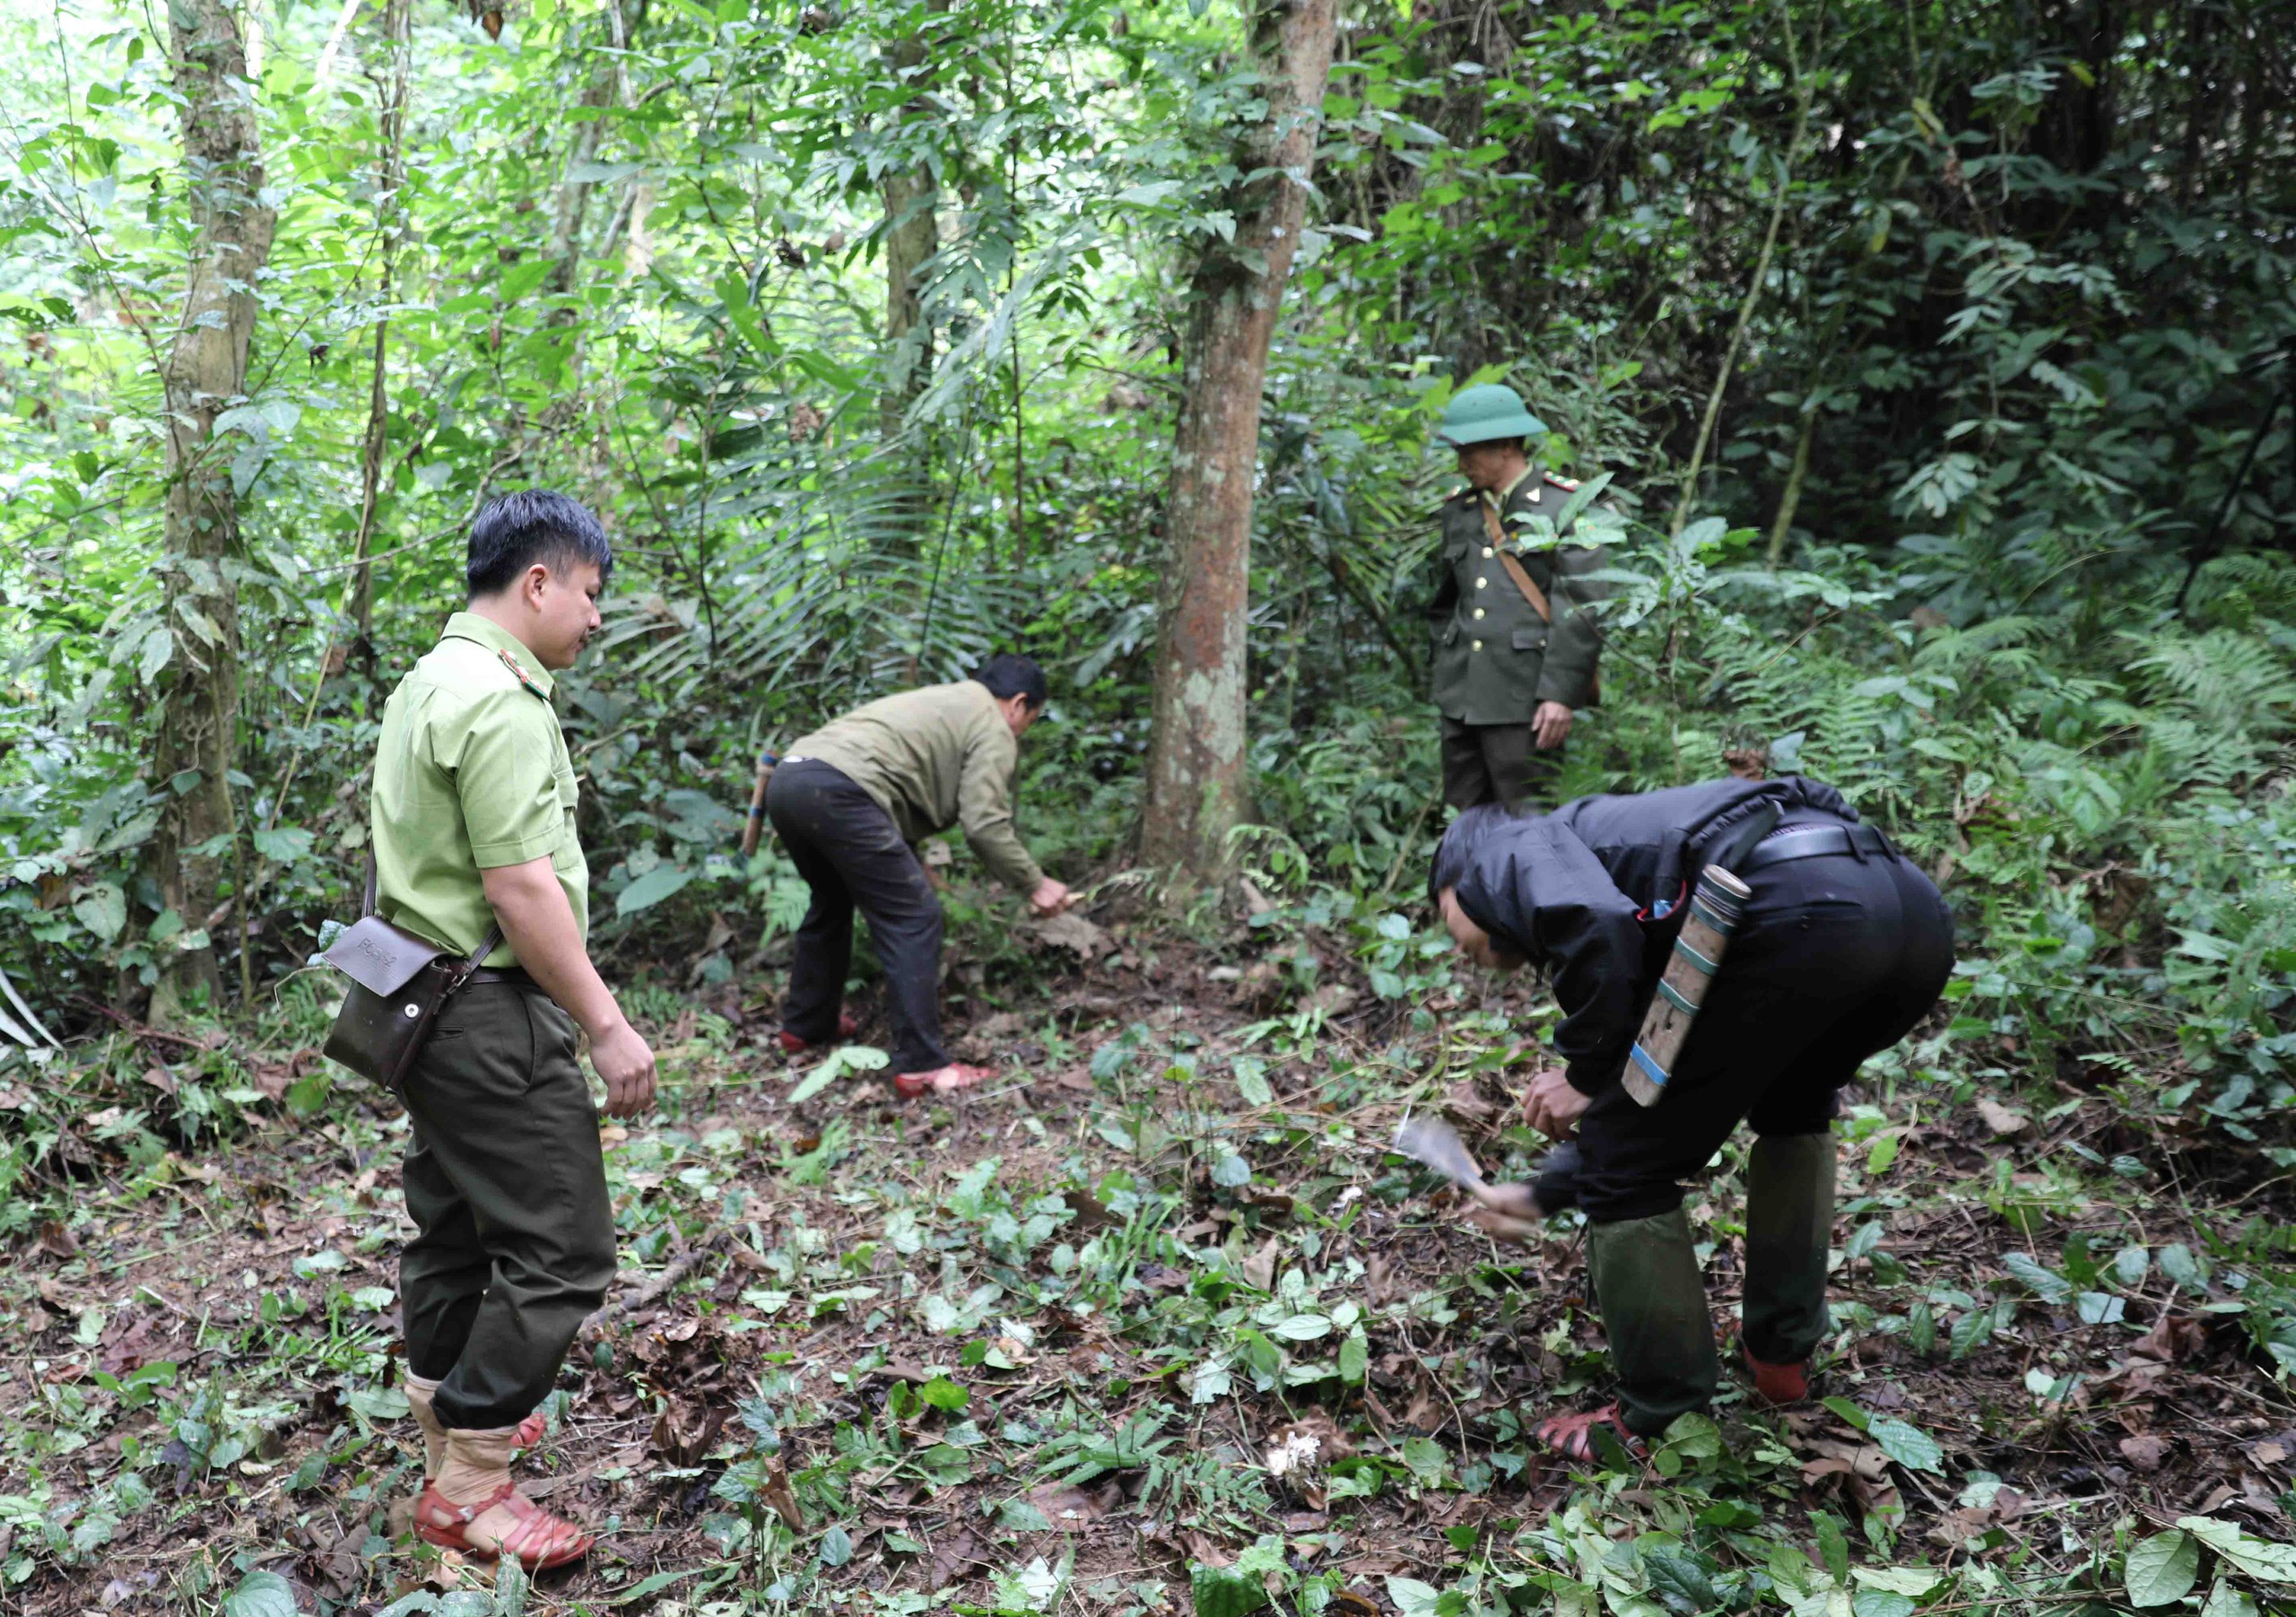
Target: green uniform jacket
(1495, 661)
(932, 759)
(470, 772)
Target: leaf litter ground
(1161, 1327)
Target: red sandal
(949, 1079)
(1777, 1384)
(791, 1045)
(539, 1540)
(1572, 1436)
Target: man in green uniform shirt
(849, 800)
(474, 828)
(1511, 661)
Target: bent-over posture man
(1844, 946)
(474, 826)
(1511, 665)
(848, 801)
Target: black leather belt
(1814, 842)
(515, 976)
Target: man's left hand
(1550, 726)
(1553, 1106)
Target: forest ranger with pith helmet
(1515, 652)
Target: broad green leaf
(1412, 1599)
(2162, 1568)
(261, 1594)
(2179, 1264)
(1677, 1573)
(1426, 1459)
(159, 646)
(1898, 1580)
(836, 1064)
(102, 908)
(1225, 1592)
(282, 844)
(2259, 1557)
(2043, 1282)
(2225, 1601)
(1907, 1444)
(1251, 1080)
(1302, 1327)
(1884, 1603)
(662, 881)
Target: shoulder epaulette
(1568, 484)
(519, 674)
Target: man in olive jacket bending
(850, 799)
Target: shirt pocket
(1451, 633)
(1529, 637)
(568, 794)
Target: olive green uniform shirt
(932, 759)
(1495, 660)
(471, 773)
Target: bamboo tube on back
(1716, 907)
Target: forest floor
(1154, 1326)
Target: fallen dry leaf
(955, 1555)
(2002, 1120)
(1071, 931)
(1072, 1510)
(57, 1241)
(2145, 1452)
(2172, 1338)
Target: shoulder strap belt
(469, 969)
(1532, 593)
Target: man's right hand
(1049, 899)
(626, 1067)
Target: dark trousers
(851, 854)
(1497, 763)
(1837, 958)
(508, 1191)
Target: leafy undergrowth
(1163, 1329)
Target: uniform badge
(1568, 484)
(519, 674)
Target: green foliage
(1991, 537)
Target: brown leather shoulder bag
(399, 983)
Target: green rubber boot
(1789, 1222)
(1653, 1309)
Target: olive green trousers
(1653, 1296)
(506, 1187)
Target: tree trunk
(1197, 789)
(389, 178)
(912, 236)
(195, 748)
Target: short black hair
(1009, 673)
(514, 531)
(1462, 841)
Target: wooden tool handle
(755, 823)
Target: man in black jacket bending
(1843, 948)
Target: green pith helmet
(1476, 416)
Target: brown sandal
(1572, 1436)
(539, 1540)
